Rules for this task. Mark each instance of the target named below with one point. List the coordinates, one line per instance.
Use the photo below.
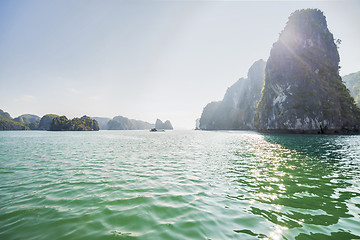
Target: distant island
(124, 123)
(298, 90)
(163, 125)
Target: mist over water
(178, 185)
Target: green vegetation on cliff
(7, 123)
(85, 123)
(30, 120)
(352, 82)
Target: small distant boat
(157, 130)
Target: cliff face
(303, 91)
(197, 124)
(46, 120)
(237, 109)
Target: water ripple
(178, 185)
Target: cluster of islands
(53, 122)
(297, 90)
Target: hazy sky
(144, 59)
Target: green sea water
(178, 185)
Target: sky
(144, 59)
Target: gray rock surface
(237, 109)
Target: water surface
(178, 185)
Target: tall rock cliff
(303, 91)
(237, 109)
